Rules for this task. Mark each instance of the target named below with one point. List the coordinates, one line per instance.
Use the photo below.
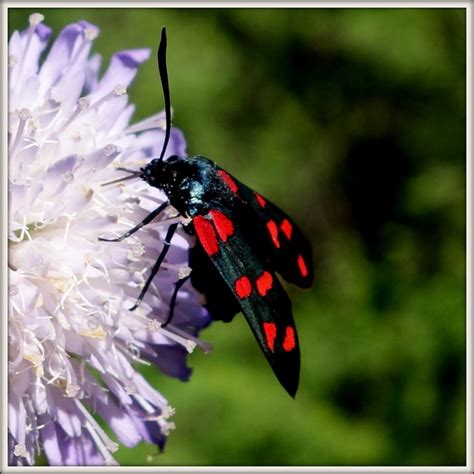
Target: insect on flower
(242, 240)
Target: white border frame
(469, 179)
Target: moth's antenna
(166, 91)
(125, 178)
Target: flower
(73, 343)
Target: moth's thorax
(185, 181)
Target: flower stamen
(82, 104)
(23, 115)
(89, 35)
(35, 19)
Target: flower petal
(49, 439)
(120, 422)
(16, 418)
(122, 69)
(92, 73)
(171, 360)
(27, 51)
(59, 56)
(68, 417)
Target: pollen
(119, 90)
(130, 388)
(36, 19)
(20, 450)
(91, 34)
(112, 446)
(243, 287)
(137, 249)
(98, 333)
(72, 390)
(110, 149)
(184, 272)
(24, 114)
(154, 325)
(83, 103)
(190, 346)
(67, 177)
(61, 284)
(35, 359)
(12, 61)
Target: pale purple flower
(74, 347)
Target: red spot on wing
(286, 228)
(273, 229)
(270, 334)
(228, 180)
(260, 200)
(243, 288)
(206, 235)
(302, 266)
(224, 226)
(264, 283)
(289, 342)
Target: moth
(242, 241)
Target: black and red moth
(242, 240)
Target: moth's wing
(281, 239)
(255, 287)
(220, 301)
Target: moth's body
(192, 185)
(242, 241)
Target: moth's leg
(144, 222)
(166, 245)
(177, 287)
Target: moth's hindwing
(220, 301)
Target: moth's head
(160, 173)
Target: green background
(353, 121)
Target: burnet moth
(242, 241)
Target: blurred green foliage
(352, 120)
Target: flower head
(74, 346)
